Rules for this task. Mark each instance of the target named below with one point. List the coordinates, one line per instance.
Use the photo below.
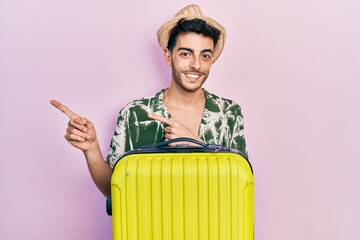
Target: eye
(185, 54)
(207, 56)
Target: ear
(167, 57)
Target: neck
(176, 96)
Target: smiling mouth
(193, 75)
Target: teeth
(193, 75)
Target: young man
(191, 42)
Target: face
(190, 60)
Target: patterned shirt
(222, 123)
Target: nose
(195, 63)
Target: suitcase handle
(182, 139)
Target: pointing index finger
(160, 118)
(64, 109)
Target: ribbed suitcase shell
(183, 195)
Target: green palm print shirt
(222, 123)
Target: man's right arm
(99, 169)
(81, 134)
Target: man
(192, 42)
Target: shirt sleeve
(118, 141)
(237, 136)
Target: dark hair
(194, 25)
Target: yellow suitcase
(182, 193)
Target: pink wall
(292, 65)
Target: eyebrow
(191, 50)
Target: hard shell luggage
(192, 193)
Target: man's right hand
(80, 131)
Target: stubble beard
(176, 74)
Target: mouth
(193, 75)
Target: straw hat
(190, 12)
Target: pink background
(293, 66)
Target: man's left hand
(174, 128)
